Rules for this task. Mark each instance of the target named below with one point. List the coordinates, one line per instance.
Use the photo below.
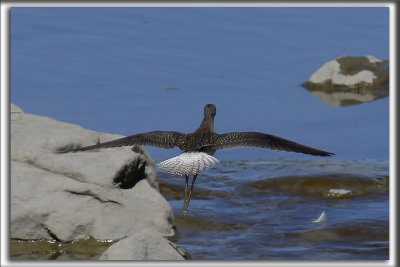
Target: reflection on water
(82, 249)
(336, 97)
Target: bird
(199, 147)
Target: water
(264, 210)
(112, 70)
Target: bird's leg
(187, 197)
(186, 186)
(191, 188)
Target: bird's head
(210, 110)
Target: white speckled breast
(189, 163)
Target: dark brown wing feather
(161, 139)
(255, 139)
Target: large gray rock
(67, 196)
(146, 245)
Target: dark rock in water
(350, 80)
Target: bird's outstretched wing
(161, 139)
(255, 139)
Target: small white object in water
(189, 163)
(321, 218)
(339, 192)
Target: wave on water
(335, 185)
(322, 178)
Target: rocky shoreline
(111, 194)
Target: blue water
(263, 210)
(108, 69)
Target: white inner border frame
(5, 132)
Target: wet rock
(338, 193)
(334, 185)
(351, 72)
(350, 80)
(146, 245)
(67, 196)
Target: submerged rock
(339, 193)
(335, 185)
(350, 80)
(67, 196)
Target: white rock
(331, 72)
(71, 195)
(351, 72)
(326, 72)
(350, 80)
(145, 245)
(373, 59)
(333, 192)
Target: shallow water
(255, 210)
(82, 249)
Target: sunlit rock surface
(350, 80)
(146, 245)
(67, 196)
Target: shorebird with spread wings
(199, 147)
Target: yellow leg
(186, 186)
(188, 196)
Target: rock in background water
(350, 80)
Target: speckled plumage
(199, 146)
(205, 139)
